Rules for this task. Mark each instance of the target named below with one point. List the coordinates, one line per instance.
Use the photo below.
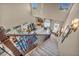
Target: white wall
(0, 15)
(51, 11)
(15, 14)
(0, 22)
(71, 44)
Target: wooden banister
(25, 34)
(6, 41)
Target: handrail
(23, 42)
(25, 34)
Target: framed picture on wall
(56, 27)
(47, 23)
(66, 33)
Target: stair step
(51, 47)
(35, 53)
(51, 51)
(41, 52)
(48, 51)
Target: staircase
(48, 48)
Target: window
(34, 5)
(64, 6)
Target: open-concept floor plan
(39, 29)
